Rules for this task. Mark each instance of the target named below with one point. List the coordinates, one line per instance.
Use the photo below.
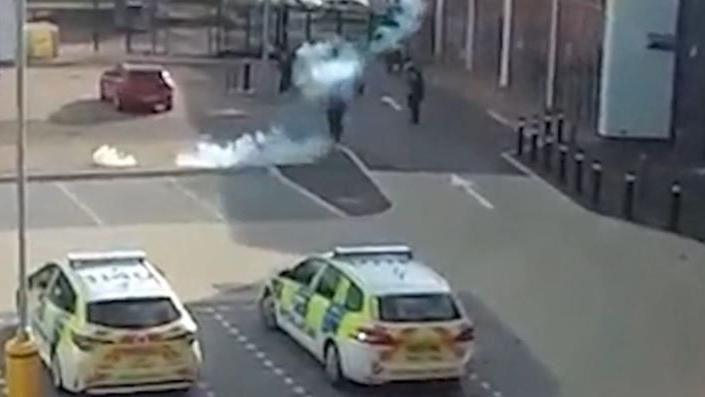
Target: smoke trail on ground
(322, 71)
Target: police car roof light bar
(372, 250)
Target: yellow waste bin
(42, 40)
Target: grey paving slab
(48, 207)
(256, 195)
(139, 201)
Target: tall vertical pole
(438, 28)
(266, 11)
(552, 63)
(470, 34)
(21, 66)
(505, 61)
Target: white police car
(372, 314)
(108, 322)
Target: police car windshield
(133, 313)
(418, 308)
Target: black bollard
(245, 84)
(560, 124)
(628, 199)
(548, 153)
(579, 160)
(547, 125)
(533, 146)
(521, 126)
(675, 215)
(562, 156)
(596, 182)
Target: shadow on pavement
(87, 112)
(502, 358)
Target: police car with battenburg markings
(108, 322)
(371, 314)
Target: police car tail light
(87, 343)
(467, 334)
(374, 336)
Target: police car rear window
(418, 308)
(133, 313)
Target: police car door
(296, 294)
(325, 308)
(60, 306)
(40, 283)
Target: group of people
(337, 106)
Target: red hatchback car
(138, 86)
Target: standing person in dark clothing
(336, 112)
(415, 82)
(286, 67)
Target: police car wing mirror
(285, 273)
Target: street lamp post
(21, 355)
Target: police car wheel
(267, 311)
(333, 369)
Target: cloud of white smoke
(321, 71)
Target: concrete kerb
(122, 174)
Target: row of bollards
(544, 137)
(239, 78)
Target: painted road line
(210, 208)
(497, 116)
(80, 204)
(468, 187)
(274, 171)
(485, 385)
(508, 157)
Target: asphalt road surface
(566, 303)
(243, 358)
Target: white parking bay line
(210, 208)
(468, 187)
(80, 204)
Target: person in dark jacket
(415, 82)
(336, 112)
(286, 67)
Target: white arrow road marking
(467, 186)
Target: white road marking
(202, 385)
(242, 338)
(260, 355)
(497, 394)
(210, 208)
(80, 204)
(250, 346)
(210, 393)
(224, 308)
(467, 186)
(507, 156)
(218, 316)
(234, 331)
(274, 171)
(299, 390)
(268, 363)
(226, 324)
(288, 381)
(485, 385)
(391, 102)
(499, 118)
(278, 371)
(473, 376)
